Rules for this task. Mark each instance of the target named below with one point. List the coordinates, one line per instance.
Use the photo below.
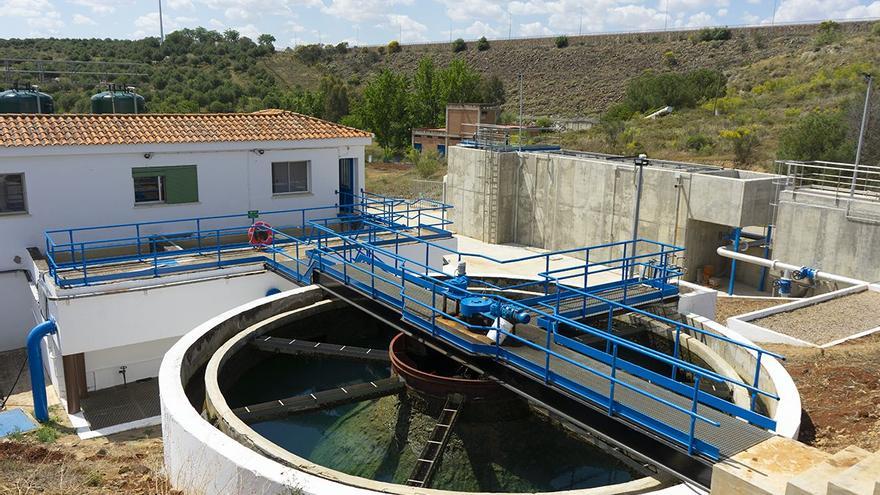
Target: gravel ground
(828, 321)
(726, 307)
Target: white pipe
(778, 265)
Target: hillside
(584, 78)
(775, 76)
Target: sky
(370, 22)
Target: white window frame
(24, 198)
(308, 189)
(161, 199)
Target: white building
(70, 171)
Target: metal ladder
(433, 450)
(492, 191)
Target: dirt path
(840, 392)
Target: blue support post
(35, 366)
(736, 235)
(762, 285)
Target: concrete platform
(814, 481)
(765, 469)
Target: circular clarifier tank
(496, 441)
(304, 392)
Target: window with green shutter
(177, 184)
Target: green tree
(829, 32)
(561, 41)
(817, 136)
(383, 110)
(267, 41)
(458, 83)
(744, 142)
(335, 96)
(492, 91)
(424, 102)
(459, 45)
(482, 44)
(231, 35)
(394, 47)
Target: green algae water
(381, 439)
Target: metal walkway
(529, 329)
(296, 347)
(319, 400)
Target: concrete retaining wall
(826, 232)
(554, 201)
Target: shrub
(544, 122)
(394, 47)
(459, 45)
(652, 90)
(714, 34)
(426, 163)
(342, 48)
(94, 479)
(744, 141)
(875, 29)
(482, 44)
(561, 41)
(829, 32)
(817, 136)
(47, 433)
(669, 58)
(698, 142)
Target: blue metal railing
(85, 248)
(339, 260)
(374, 234)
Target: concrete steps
(860, 479)
(814, 481)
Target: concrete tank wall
(826, 232)
(554, 201)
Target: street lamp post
(869, 78)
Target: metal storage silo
(118, 100)
(26, 100)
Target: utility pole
(869, 78)
(520, 136)
(581, 22)
(773, 16)
(666, 17)
(640, 164)
(161, 25)
(509, 25)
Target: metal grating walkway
(732, 437)
(122, 404)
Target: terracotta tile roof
(88, 129)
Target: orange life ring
(260, 234)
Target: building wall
(17, 307)
(432, 143)
(826, 233)
(135, 327)
(77, 186)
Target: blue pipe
(35, 364)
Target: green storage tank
(18, 100)
(118, 100)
